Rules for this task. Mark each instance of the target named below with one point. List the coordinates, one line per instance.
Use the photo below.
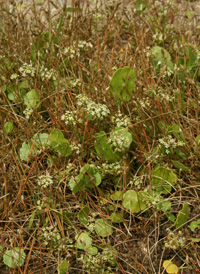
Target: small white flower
(45, 180)
(14, 76)
(27, 112)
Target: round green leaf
(41, 140)
(117, 218)
(1, 249)
(63, 267)
(83, 241)
(103, 228)
(122, 84)
(32, 99)
(92, 250)
(117, 196)
(161, 57)
(59, 143)
(25, 151)
(132, 202)
(14, 257)
(162, 179)
(103, 148)
(194, 225)
(83, 215)
(8, 127)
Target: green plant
(122, 84)
(88, 178)
(14, 257)
(163, 179)
(103, 228)
(84, 242)
(99, 107)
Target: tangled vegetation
(100, 138)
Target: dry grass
(120, 35)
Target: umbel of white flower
(93, 110)
(45, 180)
(170, 142)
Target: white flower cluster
(119, 143)
(170, 142)
(97, 264)
(165, 97)
(82, 100)
(147, 51)
(175, 240)
(83, 45)
(14, 76)
(112, 169)
(45, 180)
(76, 48)
(76, 147)
(70, 51)
(48, 74)
(27, 70)
(27, 112)
(41, 204)
(121, 120)
(159, 37)
(75, 82)
(94, 111)
(143, 102)
(137, 181)
(167, 73)
(50, 234)
(70, 117)
(160, 93)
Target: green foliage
(59, 143)
(140, 6)
(14, 257)
(180, 166)
(103, 228)
(117, 196)
(103, 148)
(176, 131)
(88, 178)
(122, 84)
(84, 242)
(197, 141)
(133, 201)
(188, 64)
(162, 179)
(32, 99)
(110, 254)
(83, 215)
(182, 216)
(8, 127)
(194, 225)
(105, 160)
(117, 217)
(31, 219)
(25, 151)
(41, 140)
(63, 267)
(160, 57)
